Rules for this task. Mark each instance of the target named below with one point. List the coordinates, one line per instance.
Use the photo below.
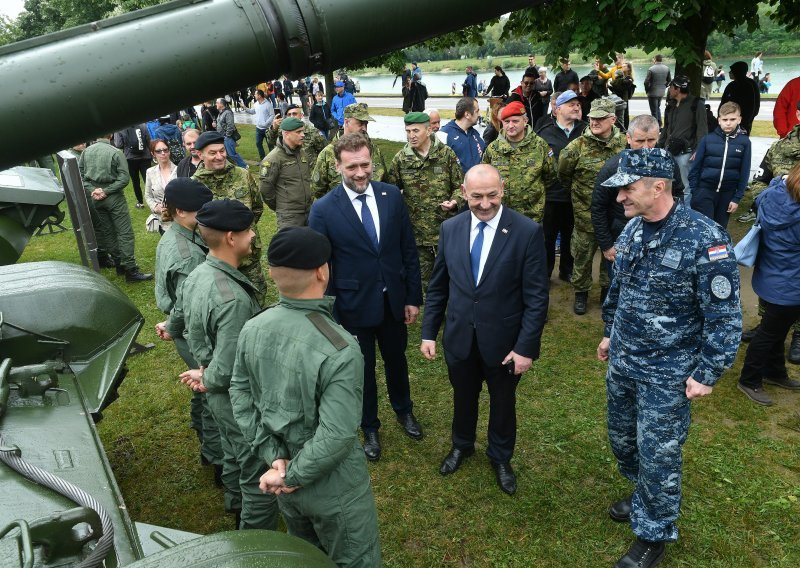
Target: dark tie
(475, 253)
(369, 223)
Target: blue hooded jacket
(468, 146)
(722, 163)
(776, 277)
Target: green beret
(291, 123)
(225, 215)
(416, 118)
(299, 247)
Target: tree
(8, 30)
(602, 27)
(45, 16)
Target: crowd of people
(467, 226)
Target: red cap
(515, 108)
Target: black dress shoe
(136, 275)
(454, 459)
(410, 425)
(794, 349)
(581, 298)
(642, 554)
(747, 336)
(372, 446)
(621, 510)
(505, 477)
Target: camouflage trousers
(427, 255)
(255, 274)
(647, 426)
(583, 248)
(241, 471)
(761, 309)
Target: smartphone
(277, 114)
(510, 367)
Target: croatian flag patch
(718, 252)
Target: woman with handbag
(155, 181)
(776, 280)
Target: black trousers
(467, 378)
(137, 167)
(392, 338)
(558, 218)
(765, 357)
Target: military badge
(717, 252)
(721, 287)
(672, 258)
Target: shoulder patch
(718, 252)
(326, 329)
(224, 286)
(183, 247)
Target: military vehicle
(65, 331)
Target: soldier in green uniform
(427, 172)
(180, 250)
(296, 392)
(313, 143)
(578, 166)
(225, 179)
(217, 300)
(524, 161)
(105, 175)
(325, 177)
(286, 176)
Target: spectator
(341, 100)
(785, 115)
(321, 114)
(134, 142)
(623, 86)
(764, 84)
(227, 128)
(461, 136)
(188, 165)
(499, 85)
(757, 64)
(544, 88)
(288, 89)
(157, 179)
(469, 88)
(709, 74)
(532, 67)
(492, 130)
(658, 77)
(719, 79)
(265, 114)
(209, 116)
(743, 91)
(527, 95)
(586, 94)
(566, 77)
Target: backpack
(170, 134)
(135, 141)
(709, 73)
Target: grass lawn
(742, 461)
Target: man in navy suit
(490, 276)
(375, 277)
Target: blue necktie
(475, 253)
(369, 223)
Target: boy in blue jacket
(721, 167)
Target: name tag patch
(717, 253)
(672, 258)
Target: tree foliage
(46, 16)
(8, 30)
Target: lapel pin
(505, 231)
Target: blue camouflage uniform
(672, 312)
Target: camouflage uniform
(527, 167)
(286, 184)
(237, 183)
(313, 143)
(578, 166)
(325, 177)
(178, 253)
(217, 301)
(672, 313)
(426, 182)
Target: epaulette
(183, 247)
(224, 286)
(326, 329)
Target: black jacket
(557, 140)
(498, 86)
(562, 80)
(744, 92)
(319, 115)
(186, 168)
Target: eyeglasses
(163, 151)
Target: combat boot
(581, 299)
(642, 554)
(105, 261)
(794, 349)
(136, 275)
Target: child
(721, 167)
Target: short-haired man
(224, 179)
(325, 175)
(470, 84)
(217, 300)
(566, 77)
(376, 278)
(672, 320)
(578, 166)
(296, 392)
(489, 280)
(743, 91)
(313, 141)
(532, 67)
(558, 218)
(460, 133)
(587, 94)
(340, 101)
(265, 115)
(286, 176)
(658, 77)
(436, 119)
(429, 177)
(227, 127)
(525, 163)
(529, 98)
(188, 165)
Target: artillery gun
(65, 331)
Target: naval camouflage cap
(636, 164)
(602, 108)
(359, 111)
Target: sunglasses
(163, 151)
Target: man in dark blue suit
(375, 277)
(490, 276)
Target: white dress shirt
(371, 203)
(488, 236)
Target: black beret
(225, 215)
(299, 247)
(187, 194)
(207, 138)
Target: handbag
(746, 250)
(153, 223)
(235, 135)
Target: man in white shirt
(265, 115)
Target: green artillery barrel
(67, 87)
(28, 198)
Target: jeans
(260, 135)
(230, 148)
(683, 165)
(655, 107)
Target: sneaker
(757, 395)
(140, 206)
(136, 275)
(784, 383)
(748, 217)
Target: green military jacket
(177, 255)
(286, 180)
(216, 300)
(778, 161)
(313, 143)
(578, 166)
(235, 183)
(101, 165)
(325, 177)
(296, 393)
(426, 182)
(528, 168)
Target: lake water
(781, 69)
